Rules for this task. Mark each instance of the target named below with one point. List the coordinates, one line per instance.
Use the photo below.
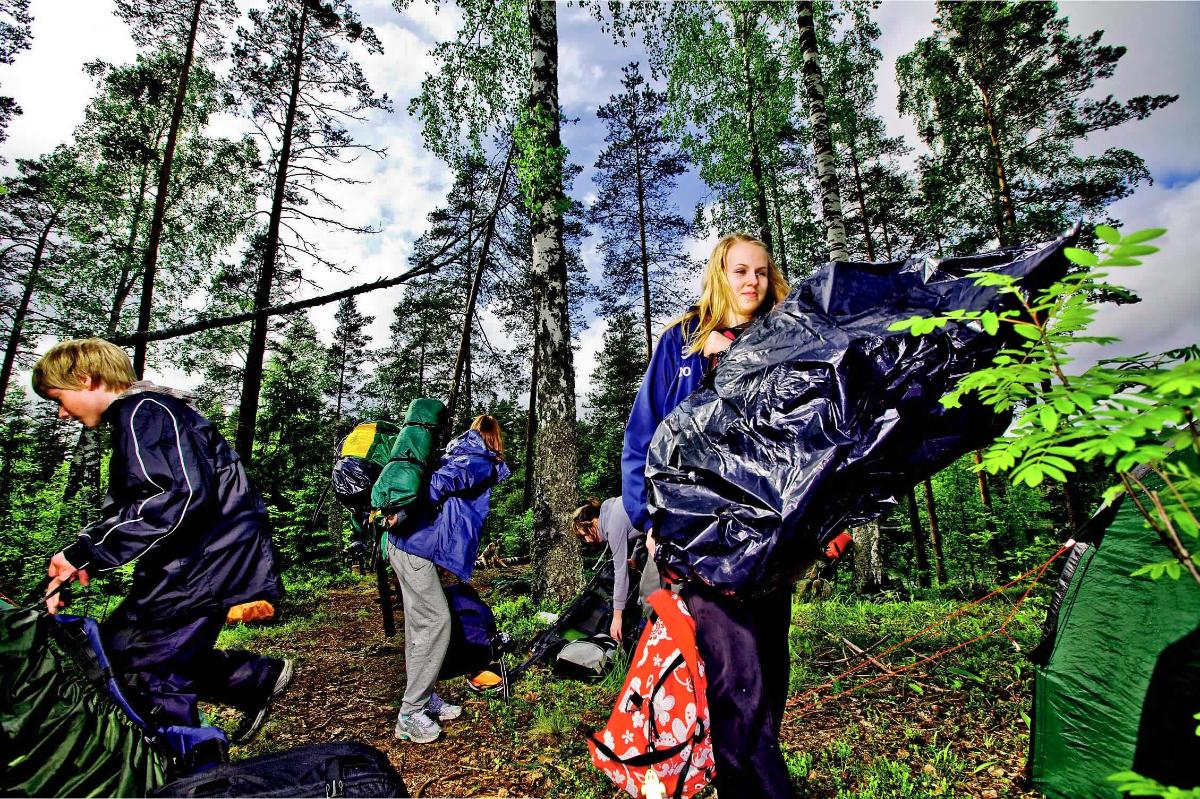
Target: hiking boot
(253, 720)
(418, 728)
(441, 710)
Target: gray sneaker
(418, 728)
(254, 718)
(442, 710)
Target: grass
(953, 728)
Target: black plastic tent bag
(818, 416)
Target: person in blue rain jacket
(445, 535)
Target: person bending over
(182, 510)
(597, 522)
(446, 535)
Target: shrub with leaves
(1131, 413)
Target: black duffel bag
(329, 769)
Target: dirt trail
(347, 687)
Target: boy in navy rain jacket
(181, 508)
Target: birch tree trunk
(868, 560)
(818, 119)
(557, 564)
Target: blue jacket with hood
(181, 509)
(670, 378)
(447, 531)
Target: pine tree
(300, 86)
(1002, 94)
(620, 366)
(188, 25)
(347, 359)
(15, 35)
(641, 236)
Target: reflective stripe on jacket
(180, 506)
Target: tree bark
(862, 202)
(643, 251)
(150, 260)
(1008, 217)
(255, 354)
(935, 534)
(127, 278)
(985, 497)
(868, 561)
(920, 548)
(818, 119)
(18, 323)
(530, 433)
(761, 216)
(557, 565)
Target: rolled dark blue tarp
(819, 417)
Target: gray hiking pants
(426, 626)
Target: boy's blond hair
(68, 362)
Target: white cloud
(1167, 316)
(48, 81)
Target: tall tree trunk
(22, 310)
(530, 433)
(127, 278)
(464, 340)
(557, 566)
(761, 216)
(255, 354)
(920, 548)
(643, 250)
(862, 201)
(150, 261)
(1008, 217)
(985, 498)
(935, 534)
(868, 560)
(818, 119)
(781, 246)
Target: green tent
(1117, 680)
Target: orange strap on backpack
(258, 610)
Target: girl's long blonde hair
(716, 296)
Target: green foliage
(615, 381)
(1123, 412)
(993, 178)
(540, 161)
(1134, 785)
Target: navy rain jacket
(670, 378)
(179, 506)
(459, 492)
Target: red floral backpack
(660, 723)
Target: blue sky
(48, 83)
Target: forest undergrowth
(955, 727)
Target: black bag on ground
(328, 769)
(587, 659)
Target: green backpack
(411, 457)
